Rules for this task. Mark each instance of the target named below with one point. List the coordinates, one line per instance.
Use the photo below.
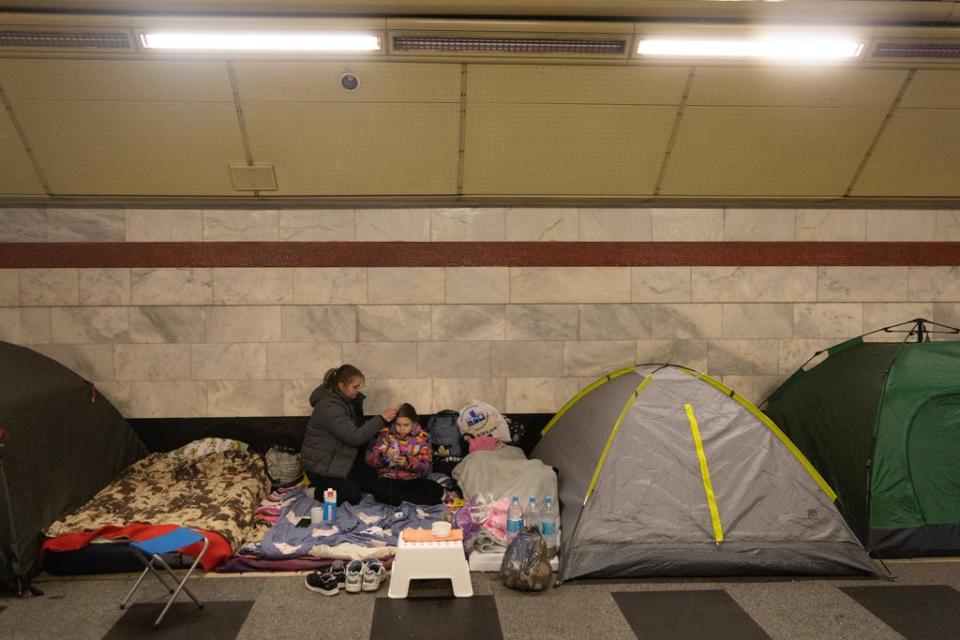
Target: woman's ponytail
(342, 374)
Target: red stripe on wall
(474, 254)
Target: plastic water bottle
(514, 518)
(329, 505)
(531, 517)
(548, 524)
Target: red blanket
(217, 552)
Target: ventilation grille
(942, 50)
(508, 45)
(259, 177)
(65, 40)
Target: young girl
(402, 456)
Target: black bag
(525, 565)
(445, 435)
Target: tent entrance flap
(705, 474)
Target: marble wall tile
(239, 361)
(743, 357)
(569, 284)
(793, 353)
(333, 285)
(947, 313)
(758, 321)
(756, 389)
(539, 395)
(688, 353)
(825, 225)
(615, 321)
(413, 285)
(104, 286)
(393, 225)
(189, 286)
(754, 284)
(296, 397)
(23, 225)
(383, 359)
(454, 393)
(9, 288)
(597, 357)
(168, 324)
(152, 361)
(243, 324)
(302, 360)
(469, 322)
(254, 285)
(542, 225)
(901, 226)
(319, 323)
(236, 225)
(118, 394)
(48, 287)
(827, 319)
(90, 361)
(937, 284)
(948, 226)
(686, 321)
(685, 225)
(245, 398)
(318, 225)
(527, 359)
(453, 360)
(481, 285)
(862, 284)
(84, 325)
(616, 225)
(393, 323)
(661, 284)
(542, 321)
(759, 225)
(884, 314)
(164, 225)
(183, 399)
(388, 392)
(85, 225)
(25, 326)
(468, 225)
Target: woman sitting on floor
(402, 456)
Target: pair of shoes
(329, 581)
(364, 576)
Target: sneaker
(339, 572)
(324, 583)
(373, 574)
(353, 580)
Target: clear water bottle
(514, 518)
(531, 517)
(548, 525)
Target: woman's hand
(390, 413)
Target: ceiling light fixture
(764, 48)
(260, 41)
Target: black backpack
(445, 434)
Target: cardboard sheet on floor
(687, 615)
(917, 612)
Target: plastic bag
(525, 565)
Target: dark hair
(342, 374)
(406, 410)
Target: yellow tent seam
(705, 474)
(578, 395)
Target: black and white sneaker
(339, 572)
(325, 583)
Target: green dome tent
(881, 421)
(666, 472)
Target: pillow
(479, 419)
(206, 446)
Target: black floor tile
(678, 615)
(917, 612)
(216, 621)
(453, 618)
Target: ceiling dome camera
(349, 82)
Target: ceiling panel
(115, 80)
(933, 90)
(357, 149)
(319, 82)
(575, 84)
(17, 176)
(918, 155)
(795, 87)
(564, 149)
(134, 148)
(761, 151)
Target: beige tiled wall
(256, 341)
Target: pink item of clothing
(485, 443)
(496, 522)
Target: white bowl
(441, 529)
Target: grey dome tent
(63, 442)
(664, 471)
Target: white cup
(441, 529)
(316, 515)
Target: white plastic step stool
(429, 561)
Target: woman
(336, 432)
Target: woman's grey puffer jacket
(334, 433)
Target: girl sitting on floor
(402, 457)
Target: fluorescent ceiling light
(259, 41)
(767, 47)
